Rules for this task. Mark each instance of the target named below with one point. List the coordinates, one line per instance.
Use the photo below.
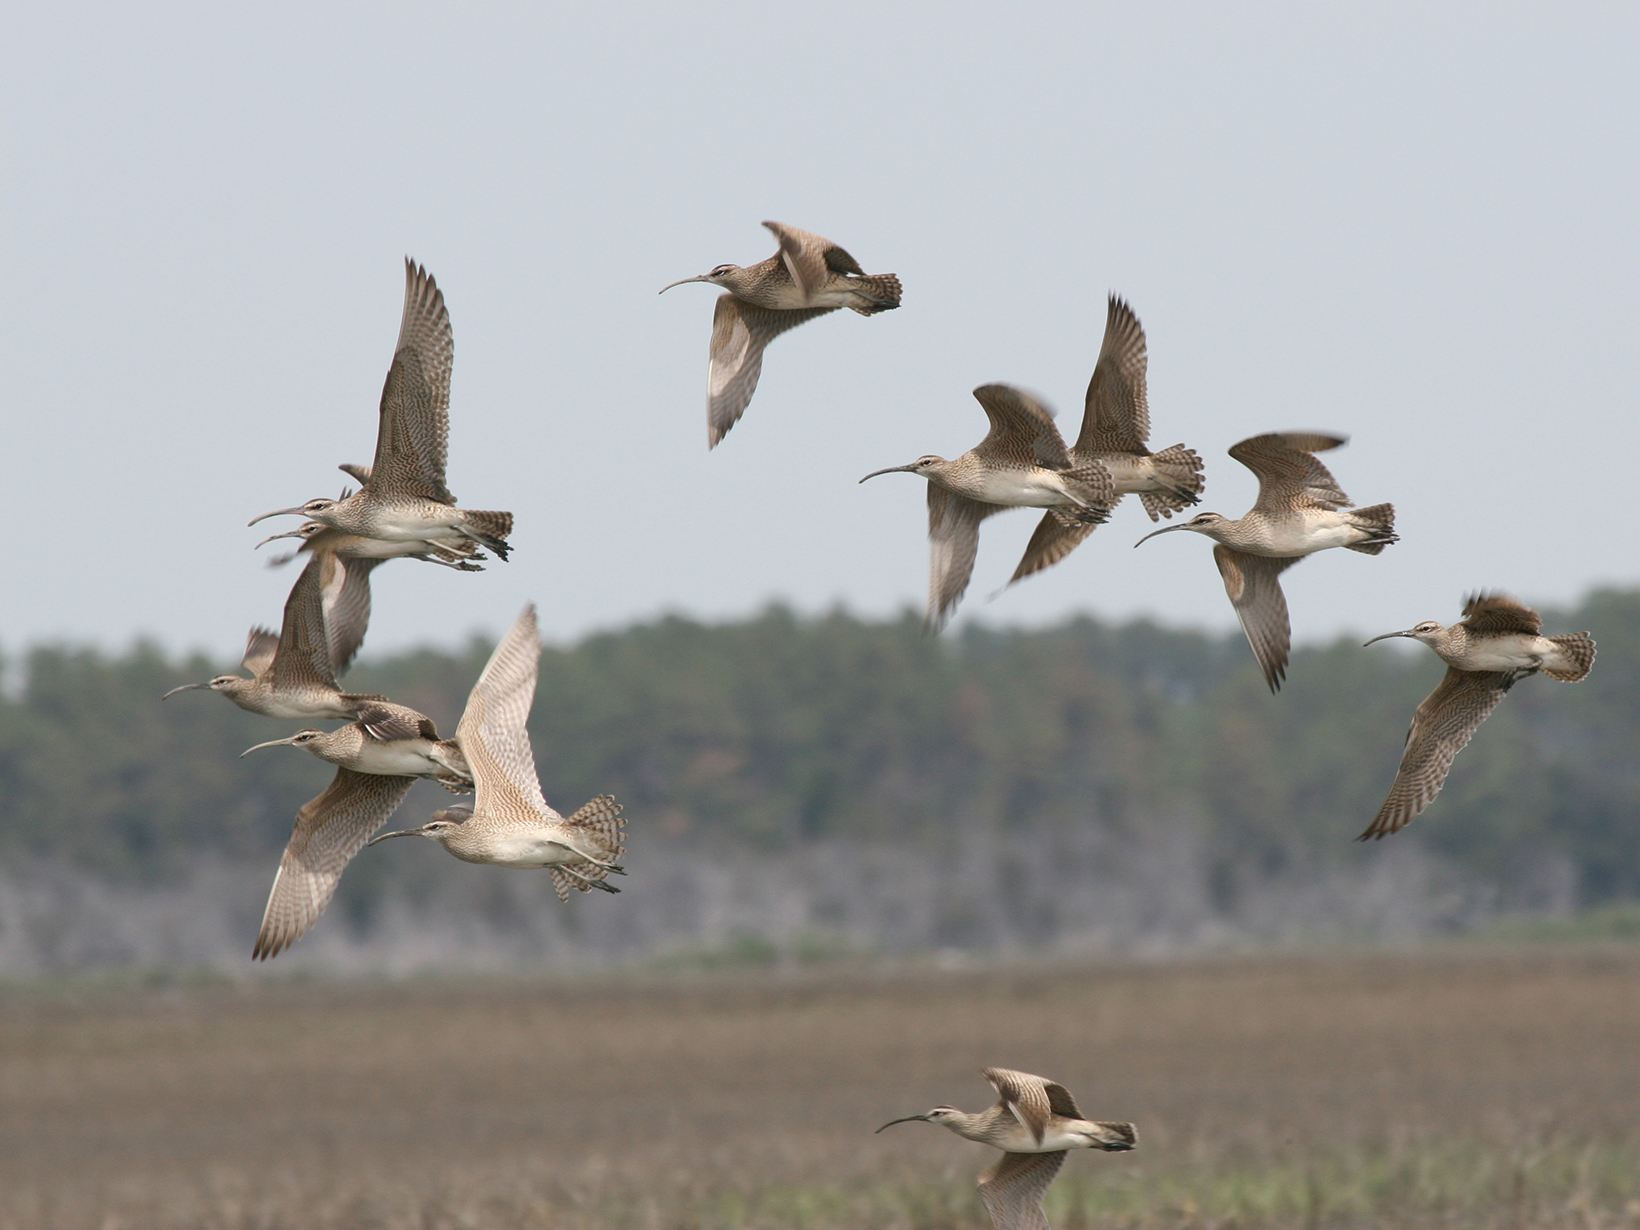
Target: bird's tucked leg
(458, 565)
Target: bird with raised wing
(1498, 642)
(293, 674)
(1034, 1122)
(1300, 510)
(387, 739)
(1115, 427)
(510, 823)
(808, 277)
(403, 497)
(1021, 463)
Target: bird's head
(947, 1115)
(923, 465)
(307, 532)
(445, 824)
(320, 510)
(302, 738)
(228, 684)
(1209, 523)
(724, 275)
(1425, 632)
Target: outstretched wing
(1254, 585)
(1013, 1187)
(1024, 1095)
(1051, 542)
(811, 258)
(1441, 727)
(1491, 614)
(345, 585)
(740, 331)
(303, 658)
(386, 722)
(492, 732)
(1289, 476)
(414, 431)
(328, 832)
(1116, 417)
(260, 647)
(953, 542)
(1022, 429)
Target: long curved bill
(269, 743)
(907, 1119)
(699, 278)
(890, 470)
(271, 537)
(399, 833)
(187, 687)
(1165, 529)
(278, 512)
(1385, 637)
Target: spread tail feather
(1577, 654)
(1093, 486)
(600, 819)
(1379, 519)
(602, 816)
(1181, 469)
(489, 529)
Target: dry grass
(1458, 1089)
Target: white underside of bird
(1512, 653)
(421, 525)
(1034, 488)
(531, 851)
(1132, 475)
(398, 548)
(400, 758)
(1065, 1134)
(1315, 530)
(290, 708)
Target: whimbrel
(452, 551)
(293, 674)
(1115, 426)
(1300, 510)
(808, 277)
(510, 823)
(1034, 1123)
(403, 497)
(1022, 462)
(1497, 643)
(387, 739)
(328, 832)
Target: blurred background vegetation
(1083, 744)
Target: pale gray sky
(1416, 225)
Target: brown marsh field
(1443, 1089)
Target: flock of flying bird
(402, 509)
(1023, 461)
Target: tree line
(778, 731)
